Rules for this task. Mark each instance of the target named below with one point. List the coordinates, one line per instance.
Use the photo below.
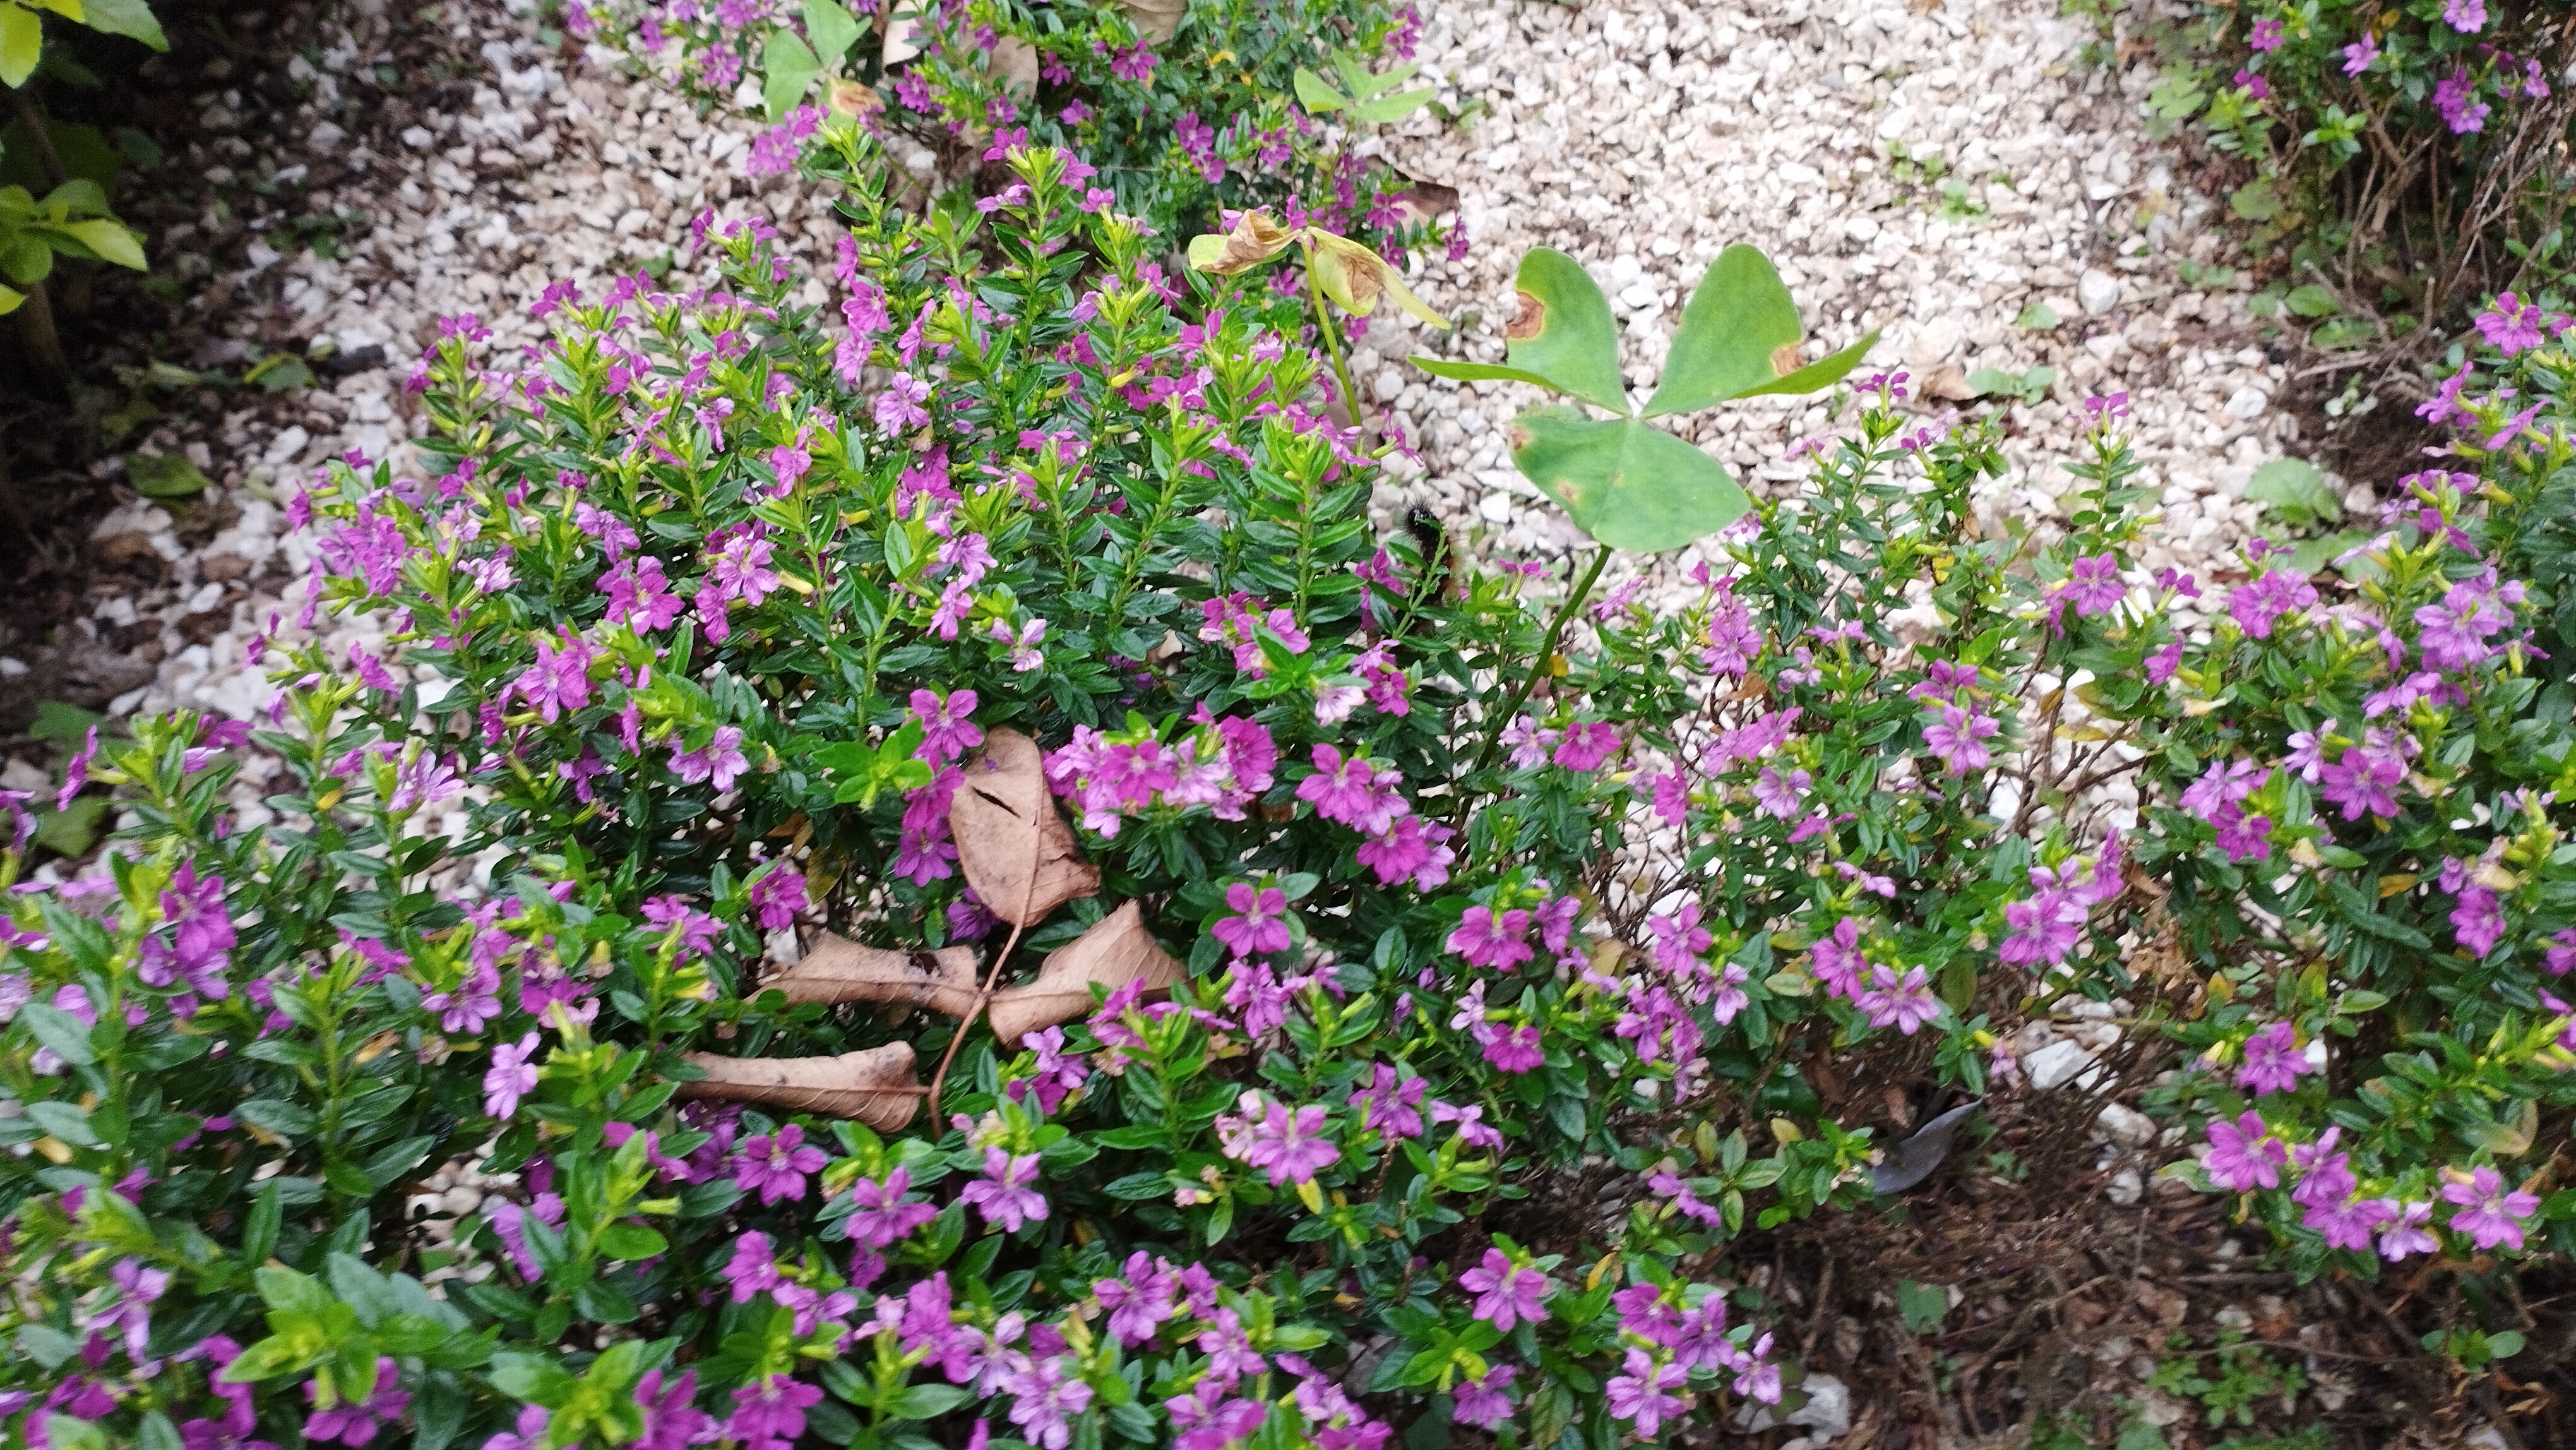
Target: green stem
(1546, 654)
(1332, 339)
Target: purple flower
(638, 595)
(774, 1165)
(2256, 607)
(883, 1217)
(900, 406)
(2267, 35)
(2358, 55)
(1959, 737)
(1411, 847)
(1496, 943)
(1003, 1194)
(2273, 1060)
(2488, 1214)
(2407, 1232)
(1353, 792)
(1391, 1105)
(2044, 928)
(2094, 586)
(1141, 1300)
(1838, 960)
(1045, 1398)
(769, 1414)
(1779, 796)
(2243, 1155)
(776, 896)
(559, 682)
(720, 761)
(2512, 325)
(1288, 1144)
(2478, 919)
(1480, 1400)
(946, 732)
(1514, 1050)
(137, 1286)
(1507, 1293)
(1645, 1393)
(511, 1076)
(2465, 16)
(672, 1419)
(2452, 99)
(1907, 1004)
(1259, 925)
(353, 1422)
(1587, 745)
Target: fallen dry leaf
(874, 1085)
(1157, 20)
(1015, 61)
(1117, 950)
(1012, 842)
(838, 970)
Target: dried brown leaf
(1015, 61)
(1117, 950)
(1255, 240)
(874, 1085)
(1012, 842)
(1157, 20)
(834, 969)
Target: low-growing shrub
(1394, 1055)
(2412, 151)
(2362, 896)
(1185, 112)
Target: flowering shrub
(2420, 140)
(2360, 874)
(1366, 1080)
(1186, 113)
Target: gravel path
(1638, 139)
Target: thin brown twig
(1028, 896)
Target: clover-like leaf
(832, 29)
(1563, 332)
(1316, 94)
(788, 67)
(1739, 338)
(1628, 485)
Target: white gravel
(1638, 138)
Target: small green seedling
(2025, 388)
(1362, 94)
(1625, 483)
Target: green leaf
(1823, 373)
(1468, 372)
(112, 241)
(73, 831)
(788, 69)
(829, 26)
(275, 1115)
(165, 475)
(1564, 333)
(631, 1241)
(1626, 484)
(1393, 108)
(920, 1402)
(2256, 201)
(1315, 93)
(1922, 1306)
(67, 1433)
(22, 43)
(2038, 317)
(2294, 492)
(1739, 331)
(67, 1121)
(2312, 301)
(130, 18)
(60, 1031)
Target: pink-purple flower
(1507, 1293)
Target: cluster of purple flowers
(2247, 1155)
(1223, 766)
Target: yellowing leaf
(111, 241)
(1354, 277)
(1255, 240)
